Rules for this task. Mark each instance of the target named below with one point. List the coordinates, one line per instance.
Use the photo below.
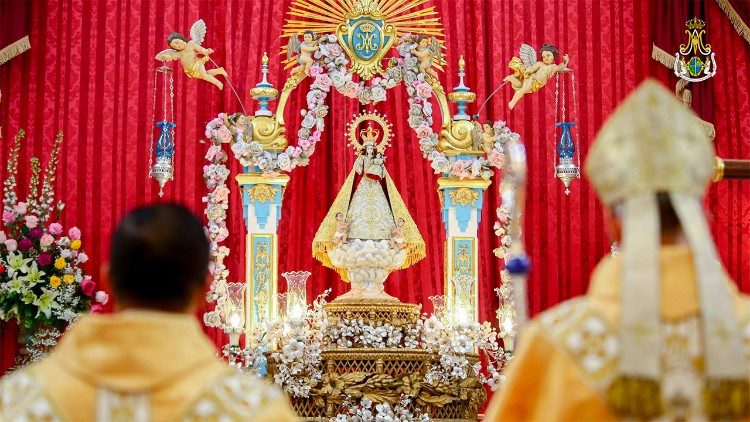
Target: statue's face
(178, 44)
(308, 37)
(547, 57)
(424, 42)
(369, 148)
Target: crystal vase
(296, 293)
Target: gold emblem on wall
(366, 29)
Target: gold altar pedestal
(383, 375)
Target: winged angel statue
(530, 74)
(427, 51)
(187, 52)
(304, 51)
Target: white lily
(46, 302)
(17, 263)
(33, 275)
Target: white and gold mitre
(651, 143)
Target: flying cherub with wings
(304, 51)
(427, 51)
(529, 74)
(188, 50)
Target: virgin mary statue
(369, 233)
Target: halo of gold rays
(324, 17)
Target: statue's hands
(565, 59)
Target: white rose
(285, 163)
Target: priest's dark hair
(159, 258)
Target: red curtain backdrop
(90, 74)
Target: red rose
(97, 309)
(88, 286)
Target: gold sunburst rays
(324, 17)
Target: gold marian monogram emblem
(695, 62)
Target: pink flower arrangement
(44, 289)
(315, 70)
(424, 131)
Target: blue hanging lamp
(163, 169)
(567, 159)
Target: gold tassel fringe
(662, 56)
(636, 397)
(735, 18)
(14, 49)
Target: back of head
(159, 258)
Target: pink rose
(46, 240)
(350, 90)
(325, 82)
(221, 193)
(97, 309)
(459, 169)
(208, 133)
(315, 70)
(82, 257)
(496, 159)
(334, 50)
(296, 152)
(224, 135)
(314, 137)
(74, 233)
(304, 144)
(423, 131)
(8, 216)
(55, 229)
(32, 221)
(101, 297)
(88, 286)
(424, 90)
(21, 208)
(213, 152)
(11, 244)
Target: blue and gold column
(462, 202)
(261, 210)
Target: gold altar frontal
(374, 311)
(384, 375)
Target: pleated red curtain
(90, 74)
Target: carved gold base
(393, 312)
(383, 376)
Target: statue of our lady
(369, 233)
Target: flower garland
(420, 120)
(42, 283)
(215, 174)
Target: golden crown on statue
(369, 135)
(695, 23)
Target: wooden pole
(731, 169)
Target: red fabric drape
(90, 74)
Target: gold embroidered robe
(568, 356)
(138, 366)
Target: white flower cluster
(453, 342)
(367, 411)
(350, 333)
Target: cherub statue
(397, 235)
(530, 75)
(483, 137)
(188, 50)
(304, 51)
(342, 229)
(427, 51)
(239, 123)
